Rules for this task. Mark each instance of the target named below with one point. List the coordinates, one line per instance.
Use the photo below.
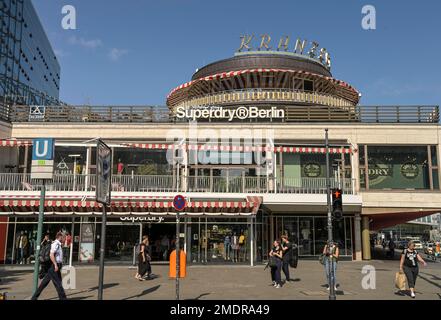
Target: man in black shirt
(287, 251)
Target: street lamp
(75, 157)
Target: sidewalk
(231, 282)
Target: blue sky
(134, 52)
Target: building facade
(243, 141)
(29, 70)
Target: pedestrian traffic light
(337, 204)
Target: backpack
(45, 253)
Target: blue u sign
(43, 149)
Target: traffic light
(337, 204)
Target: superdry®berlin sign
(240, 113)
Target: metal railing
(313, 110)
(168, 183)
(398, 114)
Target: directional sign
(103, 172)
(179, 202)
(43, 158)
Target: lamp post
(328, 200)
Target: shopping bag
(400, 281)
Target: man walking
(287, 254)
(54, 272)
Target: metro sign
(43, 158)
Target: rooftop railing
(165, 183)
(312, 112)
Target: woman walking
(409, 265)
(144, 260)
(276, 256)
(331, 253)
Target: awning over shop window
(161, 146)
(14, 143)
(248, 207)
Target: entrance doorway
(162, 238)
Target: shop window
(398, 167)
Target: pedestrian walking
(275, 263)
(409, 265)
(144, 258)
(54, 271)
(287, 256)
(331, 253)
(392, 247)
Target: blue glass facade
(26, 56)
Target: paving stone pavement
(231, 283)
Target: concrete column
(357, 237)
(355, 170)
(365, 240)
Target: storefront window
(141, 161)
(311, 233)
(398, 167)
(66, 158)
(299, 169)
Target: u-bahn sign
(43, 158)
(302, 47)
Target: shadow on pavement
(430, 281)
(200, 296)
(105, 286)
(9, 277)
(145, 292)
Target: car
(418, 244)
(429, 248)
(402, 244)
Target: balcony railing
(317, 108)
(159, 183)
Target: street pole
(102, 249)
(328, 200)
(178, 256)
(39, 234)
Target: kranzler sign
(221, 113)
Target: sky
(134, 52)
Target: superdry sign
(239, 113)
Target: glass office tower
(29, 70)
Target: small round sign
(179, 202)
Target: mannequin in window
(227, 246)
(235, 247)
(242, 247)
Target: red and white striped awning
(15, 143)
(229, 74)
(286, 149)
(232, 208)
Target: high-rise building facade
(29, 70)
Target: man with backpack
(54, 271)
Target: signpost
(179, 203)
(42, 169)
(103, 188)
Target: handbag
(272, 262)
(400, 281)
(322, 258)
